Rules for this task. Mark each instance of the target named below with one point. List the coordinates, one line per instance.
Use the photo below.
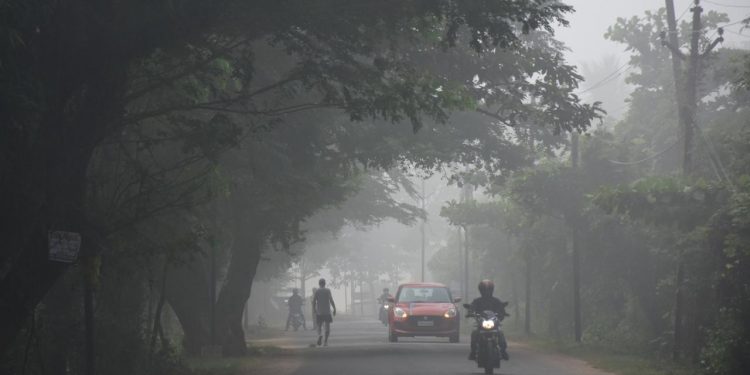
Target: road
(361, 348)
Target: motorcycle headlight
(399, 313)
(488, 324)
(451, 313)
(386, 306)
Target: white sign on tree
(63, 246)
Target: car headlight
(451, 313)
(399, 313)
(488, 324)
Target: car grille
(420, 321)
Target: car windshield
(424, 294)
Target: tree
(72, 83)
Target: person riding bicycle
(488, 303)
(295, 307)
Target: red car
(423, 309)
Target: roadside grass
(265, 332)
(218, 366)
(231, 365)
(607, 359)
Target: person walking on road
(322, 303)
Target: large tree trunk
(187, 294)
(678, 309)
(235, 292)
(29, 279)
(89, 276)
(43, 186)
(58, 316)
(189, 298)
(58, 206)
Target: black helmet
(322, 282)
(295, 291)
(486, 287)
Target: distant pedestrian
(322, 303)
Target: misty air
(362, 187)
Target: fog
(229, 188)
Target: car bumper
(441, 326)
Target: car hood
(429, 308)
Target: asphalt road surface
(360, 347)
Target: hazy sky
(585, 36)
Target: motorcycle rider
(295, 307)
(322, 302)
(484, 303)
(383, 299)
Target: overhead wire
(726, 5)
(744, 19)
(610, 77)
(737, 33)
(719, 169)
(654, 156)
(684, 12)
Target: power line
(684, 12)
(716, 163)
(736, 33)
(654, 156)
(744, 19)
(726, 5)
(608, 78)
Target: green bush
(727, 351)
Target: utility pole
(678, 86)
(574, 244)
(424, 219)
(528, 256)
(466, 262)
(361, 298)
(460, 260)
(467, 197)
(687, 104)
(686, 111)
(527, 284)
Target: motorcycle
(297, 320)
(383, 313)
(488, 345)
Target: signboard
(63, 246)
